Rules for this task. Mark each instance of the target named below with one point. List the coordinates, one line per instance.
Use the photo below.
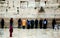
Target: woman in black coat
(40, 23)
(11, 21)
(36, 23)
(53, 23)
(2, 23)
(19, 23)
(32, 24)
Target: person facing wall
(53, 23)
(32, 24)
(2, 23)
(28, 24)
(36, 23)
(23, 23)
(40, 23)
(45, 23)
(19, 23)
(11, 21)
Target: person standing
(28, 24)
(32, 24)
(11, 31)
(19, 23)
(44, 23)
(11, 21)
(23, 24)
(36, 23)
(40, 23)
(2, 23)
(53, 23)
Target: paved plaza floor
(30, 33)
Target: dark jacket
(28, 22)
(53, 22)
(32, 22)
(36, 22)
(2, 22)
(19, 22)
(45, 22)
(11, 21)
(40, 22)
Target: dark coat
(40, 23)
(32, 23)
(11, 21)
(19, 22)
(53, 23)
(28, 22)
(2, 23)
(45, 24)
(36, 22)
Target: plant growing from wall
(41, 10)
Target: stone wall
(9, 9)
